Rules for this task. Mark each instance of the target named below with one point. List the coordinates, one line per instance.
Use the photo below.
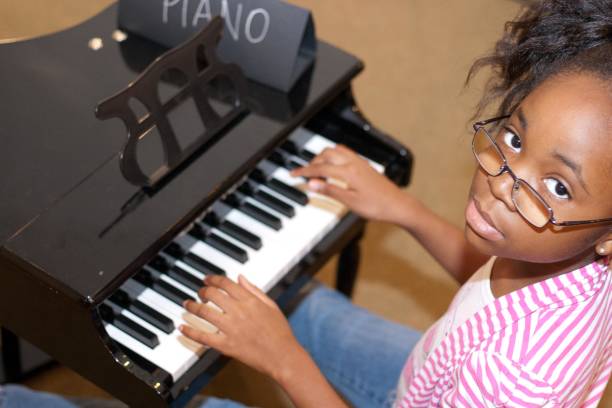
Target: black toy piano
(99, 245)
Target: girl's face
(559, 140)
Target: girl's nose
(501, 188)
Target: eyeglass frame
(506, 168)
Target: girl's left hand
(252, 328)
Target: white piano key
(190, 269)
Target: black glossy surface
(62, 190)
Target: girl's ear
(604, 245)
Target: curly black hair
(547, 38)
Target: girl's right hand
(342, 174)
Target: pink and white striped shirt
(548, 344)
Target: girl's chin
(483, 245)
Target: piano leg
(348, 264)
(11, 361)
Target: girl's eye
(512, 140)
(557, 188)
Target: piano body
(94, 267)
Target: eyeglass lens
(526, 200)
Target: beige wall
(417, 53)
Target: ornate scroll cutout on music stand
(196, 61)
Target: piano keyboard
(261, 230)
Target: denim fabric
(16, 396)
(361, 355)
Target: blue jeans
(361, 354)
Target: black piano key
(233, 200)
(125, 301)
(106, 313)
(240, 234)
(292, 165)
(277, 158)
(246, 188)
(121, 298)
(160, 264)
(258, 176)
(211, 219)
(262, 216)
(174, 250)
(202, 265)
(136, 331)
(306, 155)
(152, 316)
(128, 326)
(290, 147)
(182, 276)
(288, 191)
(274, 203)
(227, 248)
(266, 199)
(171, 292)
(198, 232)
(145, 278)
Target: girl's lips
(479, 224)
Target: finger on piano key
(169, 308)
(294, 149)
(318, 143)
(281, 250)
(256, 267)
(288, 191)
(174, 353)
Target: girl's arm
(443, 240)
(352, 181)
(305, 384)
(254, 330)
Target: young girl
(532, 323)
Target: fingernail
(315, 185)
(181, 327)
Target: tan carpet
(417, 53)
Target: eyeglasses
(529, 203)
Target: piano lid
(62, 188)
